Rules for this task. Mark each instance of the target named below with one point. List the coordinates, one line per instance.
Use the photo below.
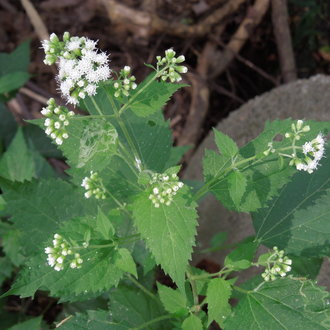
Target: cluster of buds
(57, 119)
(125, 82)
(277, 265)
(270, 149)
(164, 187)
(81, 65)
(59, 252)
(94, 186)
(312, 151)
(172, 70)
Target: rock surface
(302, 99)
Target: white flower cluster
(277, 265)
(313, 151)
(94, 186)
(57, 120)
(173, 70)
(59, 252)
(125, 82)
(164, 187)
(81, 66)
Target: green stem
(141, 287)
(205, 276)
(130, 101)
(193, 286)
(91, 117)
(156, 320)
(237, 288)
(97, 106)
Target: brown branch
(238, 40)
(280, 19)
(147, 23)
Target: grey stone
(302, 99)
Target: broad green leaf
(192, 322)
(132, 308)
(32, 324)
(125, 262)
(298, 220)
(169, 232)
(266, 177)
(305, 267)
(17, 162)
(96, 320)
(242, 256)
(153, 98)
(38, 209)
(173, 300)
(218, 294)
(2, 203)
(8, 126)
(282, 304)
(12, 81)
(18, 60)
(225, 144)
(104, 226)
(237, 186)
(143, 257)
(11, 244)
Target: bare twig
(280, 19)
(35, 19)
(242, 34)
(146, 24)
(33, 95)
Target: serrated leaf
(241, 257)
(192, 323)
(12, 81)
(17, 162)
(226, 145)
(11, 243)
(104, 226)
(132, 308)
(298, 220)
(218, 294)
(173, 300)
(169, 232)
(282, 304)
(37, 213)
(32, 324)
(96, 320)
(125, 261)
(153, 98)
(237, 186)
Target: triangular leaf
(192, 323)
(125, 262)
(237, 186)
(225, 144)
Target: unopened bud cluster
(312, 151)
(173, 71)
(57, 120)
(164, 187)
(81, 65)
(125, 82)
(94, 186)
(60, 252)
(277, 265)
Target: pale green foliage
(173, 300)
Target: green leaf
(18, 60)
(225, 144)
(218, 294)
(96, 320)
(2, 203)
(12, 81)
(169, 232)
(133, 308)
(153, 98)
(237, 183)
(241, 257)
(192, 323)
(11, 243)
(125, 262)
(298, 220)
(282, 304)
(173, 300)
(17, 162)
(32, 324)
(38, 209)
(6, 268)
(305, 267)
(104, 226)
